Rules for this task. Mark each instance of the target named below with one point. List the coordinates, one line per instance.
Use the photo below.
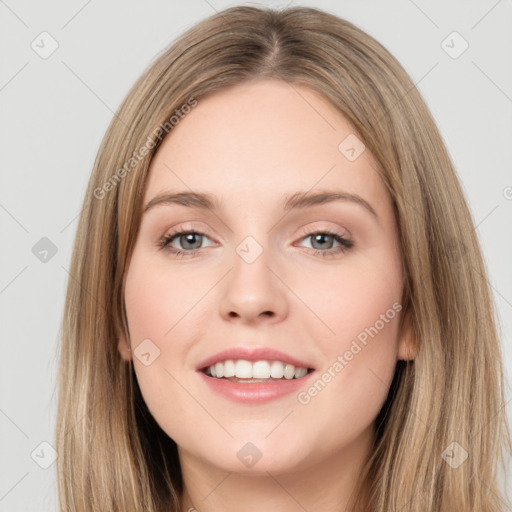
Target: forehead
(262, 140)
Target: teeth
(229, 368)
(243, 369)
(300, 372)
(289, 371)
(277, 370)
(260, 370)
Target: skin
(250, 146)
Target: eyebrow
(297, 201)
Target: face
(281, 249)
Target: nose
(253, 292)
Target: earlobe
(407, 348)
(124, 348)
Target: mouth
(254, 375)
(263, 370)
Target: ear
(407, 344)
(124, 348)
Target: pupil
(189, 238)
(321, 238)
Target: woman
(264, 367)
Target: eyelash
(345, 243)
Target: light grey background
(56, 110)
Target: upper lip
(252, 354)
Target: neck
(327, 484)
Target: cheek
(356, 297)
(160, 309)
(157, 300)
(361, 305)
(150, 316)
(362, 355)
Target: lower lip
(256, 392)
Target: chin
(257, 457)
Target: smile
(242, 370)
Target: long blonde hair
(112, 454)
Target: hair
(112, 454)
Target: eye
(189, 242)
(322, 242)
